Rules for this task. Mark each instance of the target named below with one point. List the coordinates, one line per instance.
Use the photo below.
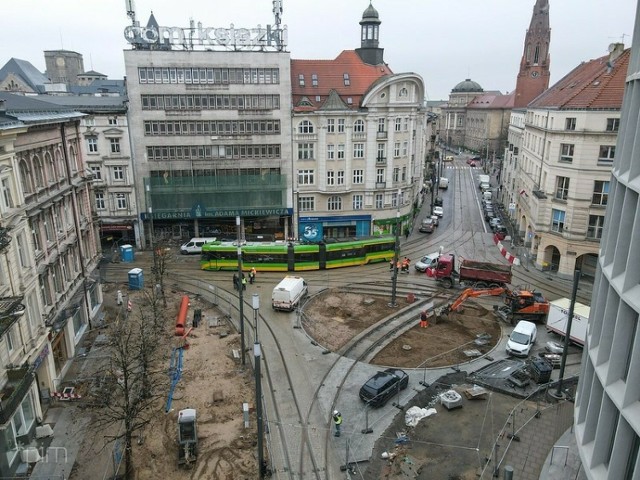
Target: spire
(534, 74)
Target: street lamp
(257, 353)
(240, 287)
(396, 255)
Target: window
(394, 199)
(382, 122)
(115, 145)
(305, 151)
(7, 197)
(562, 188)
(398, 124)
(22, 252)
(403, 92)
(600, 193)
(331, 125)
(118, 173)
(341, 151)
(121, 201)
(405, 148)
(305, 177)
(314, 80)
(100, 201)
(358, 176)
(404, 173)
(357, 202)
(396, 149)
(382, 152)
(89, 122)
(613, 124)
(358, 150)
(334, 203)
(92, 144)
(330, 151)
(301, 79)
(557, 222)
(396, 174)
(340, 177)
(379, 200)
(345, 78)
(341, 125)
(9, 337)
(113, 120)
(96, 171)
(358, 126)
(596, 224)
(331, 179)
(566, 152)
(405, 125)
(305, 127)
(380, 175)
(570, 124)
(607, 153)
(306, 204)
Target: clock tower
(533, 77)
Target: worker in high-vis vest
(337, 421)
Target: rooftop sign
(271, 37)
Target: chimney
(615, 50)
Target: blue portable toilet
(136, 279)
(126, 253)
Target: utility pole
(240, 287)
(567, 336)
(396, 256)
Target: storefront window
(27, 411)
(10, 445)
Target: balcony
(5, 239)
(381, 135)
(19, 382)
(11, 309)
(381, 160)
(381, 185)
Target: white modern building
(607, 414)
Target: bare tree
(163, 258)
(139, 351)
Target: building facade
(557, 168)
(359, 142)
(607, 419)
(210, 134)
(48, 254)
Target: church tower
(533, 78)
(369, 51)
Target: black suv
(383, 385)
(437, 202)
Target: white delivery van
(444, 183)
(288, 293)
(486, 195)
(558, 315)
(195, 245)
(522, 339)
(483, 179)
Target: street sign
(512, 207)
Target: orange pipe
(181, 320)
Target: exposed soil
(333, 319)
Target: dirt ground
(336, 317)
(216, 385)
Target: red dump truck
(470, 273)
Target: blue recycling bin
(136, 279)
(126, 253)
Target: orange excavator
(518, 304)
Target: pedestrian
(252, 275)
(391, 265)
(424, 323)
(244, 282)
(405, 264)
(235, 281)
(337, 421)
(406, 233)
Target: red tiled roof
(331, 77)
(591, 85)
(492, 101)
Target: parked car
(501, 232)
(436, 220)
(473, 159)
(439, 211)
(495, 222)
(489, 214)
(522, 339)
(377, 391)
(437, 201)
(472, 164)
(427, 261)
(426, 226)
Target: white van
(522, 339)
(288, 293)
(195, 245)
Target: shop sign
(201, 212)
(40, 358)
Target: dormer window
(345, 77)
(314, 80)
(301, 80)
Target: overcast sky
(444, 41)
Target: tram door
(322, 256)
